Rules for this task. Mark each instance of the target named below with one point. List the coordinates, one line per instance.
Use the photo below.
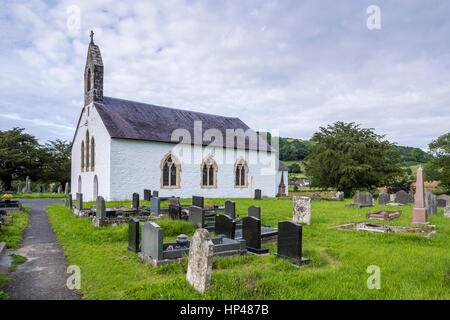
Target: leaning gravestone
(254, 211)
(402, 197)
(200, 260)
(258, 194)
(155, 205)
(383, 199)
(79, 201)
(133, 235)
(230, 208)
(301, 210)
(290, 242)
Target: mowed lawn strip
(412, 266)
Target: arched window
(92, 154)
(95, 188)
(241, 174)
(79, 184)
(82, 156)
(87, 151)
(209, 173)
(170, 172)
(88, 81)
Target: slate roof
(140, 121)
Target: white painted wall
(135, 166)
(102, 156)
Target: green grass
(17, 260)
(412, 266)
(39, 195)
(11, 232)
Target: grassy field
(11, 234)
(412, 266)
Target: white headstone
(200, 260)
(301, 210)
(447, 211)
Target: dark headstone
(147, 194)
(155, 193)
(441, 202)
(254, 211)
(196, 216)
(401, 197)
(225, 225)
(155, 205)
(174, 201)
(290, 242)
(251, 233)
(100, 211)
(198, 201)
(69, 200)
(174, 211)
(79, 201)
(136, 201)
(133, 235)
(430, 203)
(152, 240)
(230, 208)
(258, 194)
(383, 199)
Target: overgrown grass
(11, 232)
(412, 266)
(39, 195)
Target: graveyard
(412, 266)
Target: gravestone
(290, 242)
(147, 194)
(430, 203)
(66, 188)
(225, 225)
(59, 190)
(254, 211)
(251, 233)
(196, 216)
(411, 197)
(401, 197)
(301, 210)
(392, 197)
(331, 194)
(136, 201)
(198, 201)
(200, 260)
(100, 211)
(41, 189)
(441, 202)
(357, 197)
(340, 195)
(152, 240)
(419, 209)
(230, 208)
(133, 235)
(174, 211)
(155, 194)
(69, 202)
(79, 201)
(155, 205)
(447, 211)
(258, 194)
(383, 199)
(366, 199)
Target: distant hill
(297, 149)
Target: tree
(404, 185)
(19, 156)
(56, 166)
(438, 169)
(295, 168)
(347, 157)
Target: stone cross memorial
(302, 210)
(290, 242)
(200, 260)
(419, 211)
(133, 235)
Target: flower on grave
(170, 247)
(7, 196)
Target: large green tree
(19, 156)
(56, 164)
(438, 169)
(347, 157)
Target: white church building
(121, 147)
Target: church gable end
(93, 74)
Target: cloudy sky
(287, 65)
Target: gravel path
(43, 276)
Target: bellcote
(93, 74)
